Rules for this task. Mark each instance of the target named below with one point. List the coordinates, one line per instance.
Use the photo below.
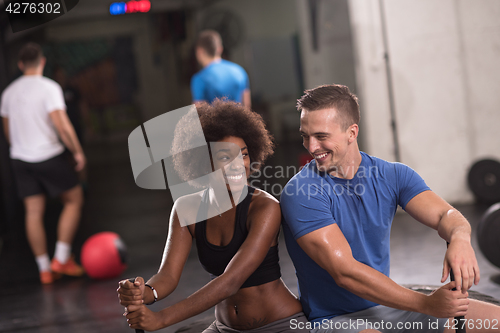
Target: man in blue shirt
(219, 78)
(337, 216)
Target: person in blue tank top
(219, 78)
(337, 215)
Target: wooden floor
(115, 203)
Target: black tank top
(214, 258)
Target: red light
(138, 6)
(145, 6)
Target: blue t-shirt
(219, 79)
(362, 207)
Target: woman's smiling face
(231, 155)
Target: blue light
(117, 8)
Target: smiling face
(231, 155)
(326, 141)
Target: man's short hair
(334, 96)
(210, 41)
(30, 54)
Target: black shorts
(52, 177)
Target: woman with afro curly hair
(237, 246)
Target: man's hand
(80, 161)
(431, 210)
(140, 317)
(446, 303)
(460, 257)
(131, 293)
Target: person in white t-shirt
(35, 122)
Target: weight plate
(484, 180)
(488, 234)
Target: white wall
(371, 79)
(480, 28)
(445, 69)
(333, 61)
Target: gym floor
(115, 203)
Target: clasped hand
(131, 297)
(446, 302)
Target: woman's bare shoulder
(187, 206)
(263, 202)
(190, 199)
(263, 197)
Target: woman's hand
(446, 302)
(140, 317)
(131, 293)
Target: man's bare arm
(68, 136)
(431, 210)
(330, 250)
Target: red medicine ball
(103, 255)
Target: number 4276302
(472, 324)
(33, 8)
